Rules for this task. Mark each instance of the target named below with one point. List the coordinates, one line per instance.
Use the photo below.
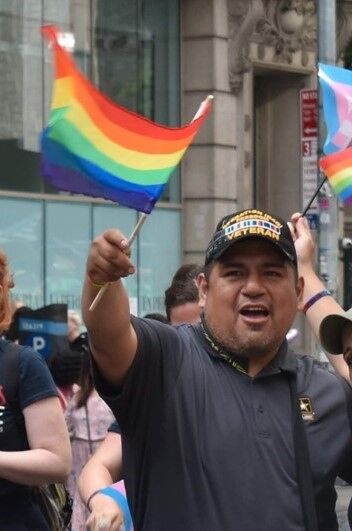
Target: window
(21, 237)
(129, 49)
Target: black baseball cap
(251, 224)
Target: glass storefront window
(67, 240)
(21, 237)
(159, 256)
(47, 244)
(129, 49)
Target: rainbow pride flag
(92, 146)
(336, 87)
(338, 168)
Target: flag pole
(314, 196)
(143, 216)
(134, 233)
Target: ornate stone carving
(284, 25)
(288, 26)
(344, 26)
(243, 18)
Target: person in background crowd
(157, 317)
(212, 403)
(103, 469)
(12, 333)
(74, 325)
(34, 443)
(335, 335)
(330, 324)
(182, 298)
(88, 418)
(65, 366)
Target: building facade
(160, 58)
(131, 51)
(256, 57)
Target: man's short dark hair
(186, 272)
(156, 317)
(180, 292)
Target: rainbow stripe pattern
(336, 87)
(95, 147)
(338, 168)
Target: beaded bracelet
(314, 299)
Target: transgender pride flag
(336, 86)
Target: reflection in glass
(129, 49)
(67, 238)
(159, 256)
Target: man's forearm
(110, 316)
(111, 336)
(322, 307)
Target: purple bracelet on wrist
(314, 299)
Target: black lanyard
(220, 350)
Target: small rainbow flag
(338, 168)
(336, 86)
(94, 147)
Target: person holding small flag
(222, 426)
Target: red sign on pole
(309, 152)
(309, 113)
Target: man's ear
(202, 285)
(299, 290)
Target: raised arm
(112, 338)
(305, 248)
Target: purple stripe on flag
(72, 181)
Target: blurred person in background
(34, 443)
(157, 316)
(88, 418)
(101, 486)
(65, 366)
(182, 303)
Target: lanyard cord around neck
(220, 350)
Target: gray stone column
(209, 166)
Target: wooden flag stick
(134, 233)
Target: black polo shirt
(206, 447)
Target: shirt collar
(284, 361)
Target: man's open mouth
(254, 311)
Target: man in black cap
(222, 427)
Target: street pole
(327, 202)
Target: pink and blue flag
(336, 87)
